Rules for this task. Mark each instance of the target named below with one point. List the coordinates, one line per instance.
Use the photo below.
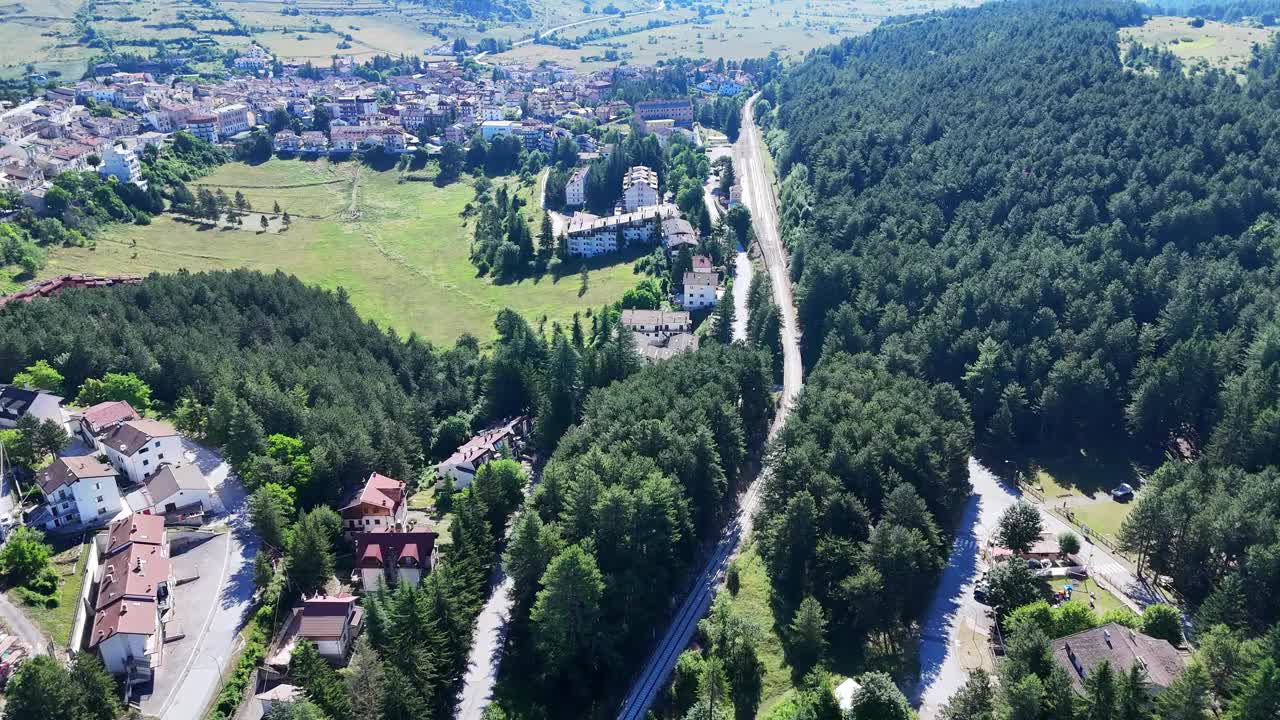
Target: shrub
(1163, 621)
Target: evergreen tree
(974, 701)
(366, 682)
(1187, 698)
(808, 635)
(1100, 693)
(565, 615)
(321, 683)
(309, 559)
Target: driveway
(946, 636)
(211, 610)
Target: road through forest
(758, 195)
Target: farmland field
(745, 29)
(1220, 45)
(400, 250)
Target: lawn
(402, 255)
(1103, 517)
(56, 622)
(1104, 601)
(752, 603)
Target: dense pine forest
(997, 213)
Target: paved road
(13, 618)
(490, 631)
(945, 653)
(759, 197)
(185, 686)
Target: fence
(84, 610)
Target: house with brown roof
(506, 438)
(95, 422)
(1082, 653)
(387, 559)
(180, 487)
(332, 623)
(16, 402)
(381, 505)
(78, 491)
(138, 448)
(133, 596)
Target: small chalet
(1082, 653)
(389, 558)
(78, 491)
(505, 438)
(332, 623)
(138, 448)
(380, 506)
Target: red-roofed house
(97, 421)
(139, 447)
(504, 439)
(78, 490)
(380, 506)
(133, 595)
(390, 558)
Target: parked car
(980, 592)
(1122, 492)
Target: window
(146, 463)
(160, 456)
(100, 500)
(157, 443)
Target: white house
(575, 191)
(700, 289)
(79, 490)
(15, 402)
(490, 129)
(138, 448)
(133, 596)
(332, 623)
(203, 125)
(504, 438)
(123, 165)
(389, 558)
(639, 188)
(175, 487)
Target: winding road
(759, 197)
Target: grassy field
(1082, 482)
(56, 622)
(400, 249)
(746, 29)
(42, 33)
(1216, 44)
(752, 603)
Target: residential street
(955, 622)
(759, 198)
(190, 677)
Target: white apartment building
(590, 235)
(78, 490)
(657, 323)
(203, 125)
(575, 191)
(351, 138)
(138, 448)
(639, 188)
(700, 289)
(123, 165)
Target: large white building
(657, 323)
(575, 191)
(133, 582)
(123, 165)
(351, 138)
(78, 491)
(138, 448)
(232, 119)
(639, 188)
(590, 235)
(700, 289)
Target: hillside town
(103, 122)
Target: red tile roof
(135, 573)
(136, 528)
(130, 617)
(129, 437)
(379, 491)
(104, 415)
(54, 286)
(410, 549)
